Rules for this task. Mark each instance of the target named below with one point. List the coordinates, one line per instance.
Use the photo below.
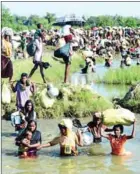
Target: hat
(67, 123)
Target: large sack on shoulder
(6, 94)
(63, 51)
(46, 102)
(31, 48)
(118, 116)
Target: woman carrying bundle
(117, 141)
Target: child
(118, 140)
(23, 147)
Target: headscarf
(67, 123)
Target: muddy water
(93, 159)
(109, 91)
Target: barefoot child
(117, 141)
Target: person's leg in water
(33, 69)
(41, 72)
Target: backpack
(31, 48)
(62, 52)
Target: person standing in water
(96, 126)
(117, 141)
(67, 140)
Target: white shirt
(39, 50)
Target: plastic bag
(87, 138)
(45, 100)
(6, 94)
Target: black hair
(120, 126)
(23, 133)
(39, 25)
(24, 75)
(26, 104)
(31, 122)
(5, 36)
(26, 132)
(31, 113)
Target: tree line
(19, 23)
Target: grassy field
(125, 76)
(54, 74)
(80, 103)
(74, 102)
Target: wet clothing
(96, 131)
(117, 144)
(36, 138)
(67, 144)
(97, 140)
(23, 148)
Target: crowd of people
(105, 42)
(98, 42)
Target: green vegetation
(72, 102)
(19, 23)
(112, 21)
(54, 74)
(128, 76)
(132, 99)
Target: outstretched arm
(108, 130)
(52, 143)
(133, 132)
(103, 134)
(34, 145)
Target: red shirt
(117, 144)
